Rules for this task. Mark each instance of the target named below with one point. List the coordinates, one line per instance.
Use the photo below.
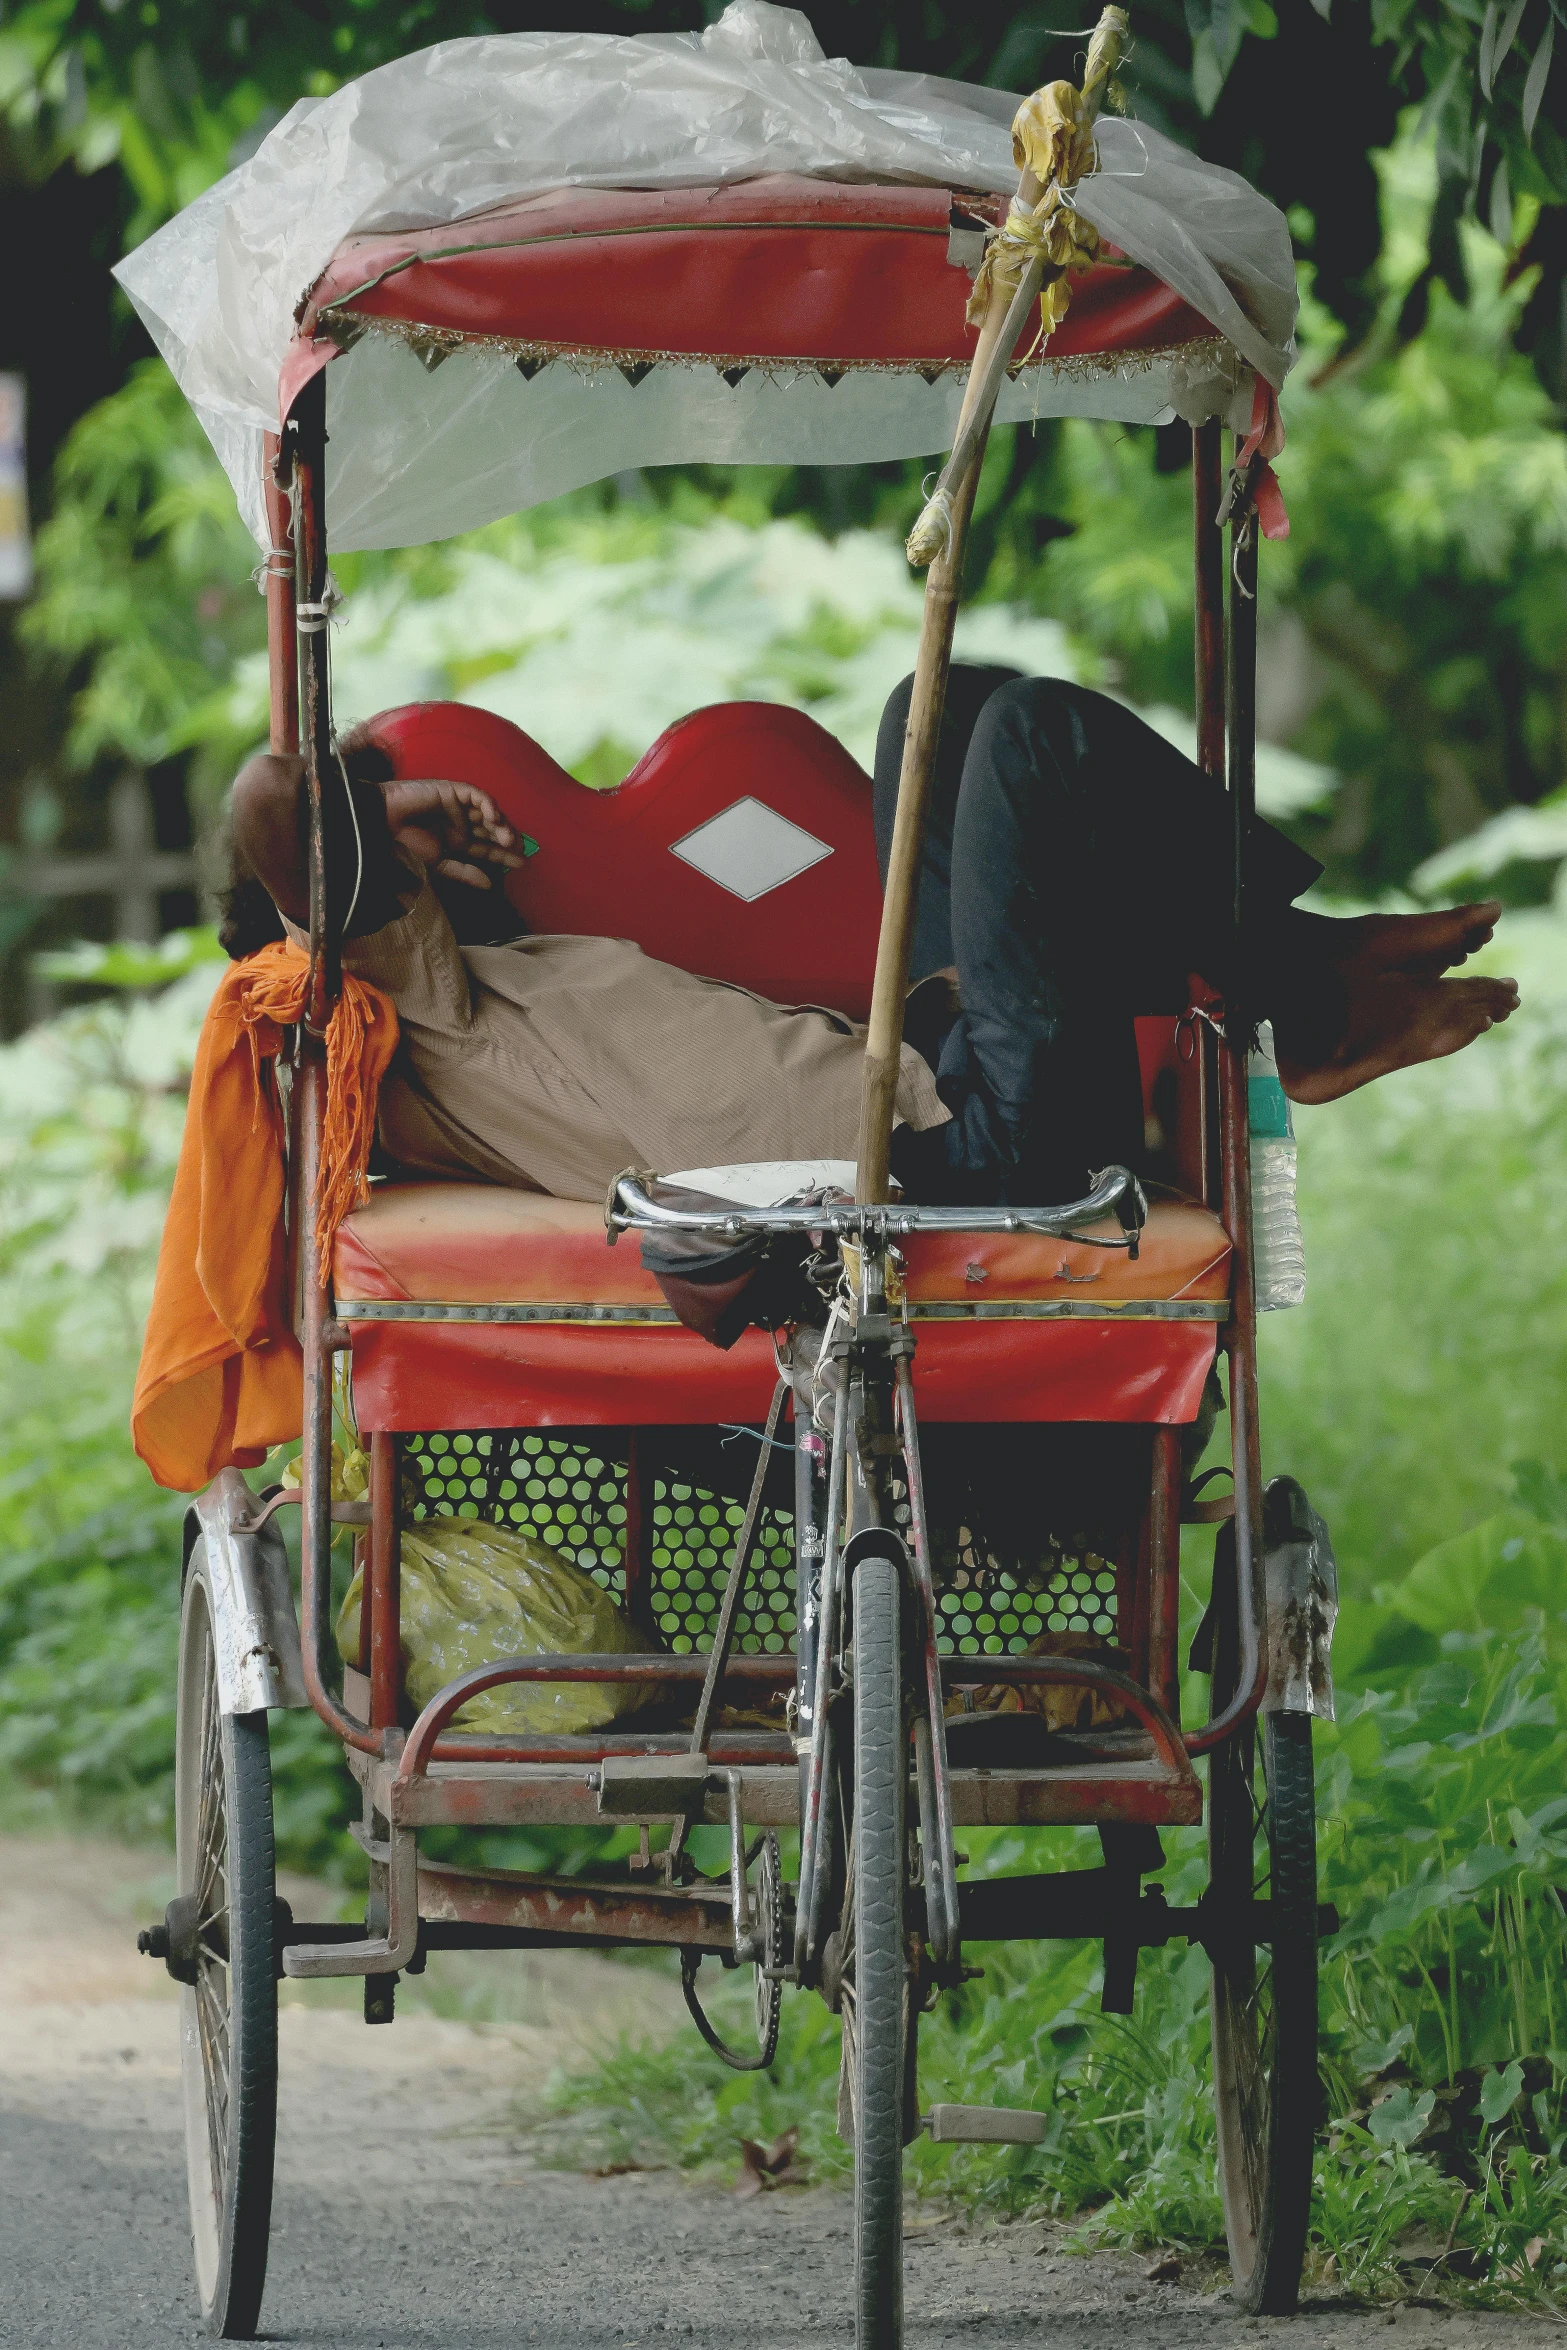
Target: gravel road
(408, 2219)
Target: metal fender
(1300, 1577)
(255, 1632)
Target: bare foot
(1396, 1018)
(1426, 943)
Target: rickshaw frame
(301, 724)
(431, 1775)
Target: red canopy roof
(779, 268)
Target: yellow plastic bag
(472, 1593)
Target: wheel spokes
(210, 1872)
(211, 1823)
(213, 2024)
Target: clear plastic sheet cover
(467, 124)
(414, 457)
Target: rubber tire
(1266, 2088)
(230, 2143)
(880, 1956)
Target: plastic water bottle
(1279, 1257)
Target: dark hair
(247, 918)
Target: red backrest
(789, 901)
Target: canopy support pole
(884, 1036)
(315, 715)
(1227, 721)
(1207, 490)
(943, 529)
(278, 579)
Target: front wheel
(222, 1927)
(876, 1999)
(1262, 1846)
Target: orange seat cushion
(479, 1244)
(470, 1306)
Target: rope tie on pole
(311, 619)
(1053, 142)
(1040, 246)
(276, 563)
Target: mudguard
(1300, 1576)
(255, 1632)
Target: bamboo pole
(939, 538)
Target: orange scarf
(221, 1375)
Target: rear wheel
(228, 2007)
(1262, 1849)
(876, 1986)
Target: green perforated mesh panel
(564, 1494)
(983, 1609)
(574, 1498)
(694, 1535)
(998, 1606)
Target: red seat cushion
(477, 1244)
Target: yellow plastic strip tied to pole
(1052, 145)
(1051, 138)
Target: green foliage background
(1414, 629)
(1414, 623)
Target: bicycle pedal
(984, 2125)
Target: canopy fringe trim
(432, 346)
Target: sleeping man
(1076, 874)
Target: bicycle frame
(876, 1401)
(867, 1354)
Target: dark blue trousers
(1077, 869)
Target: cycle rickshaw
(776, 291)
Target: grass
(1442, 1997)
(1427, 1364)
(1441, 2164)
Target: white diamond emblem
(750, 849)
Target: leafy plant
(1440, 2159)
(1443, 1844)
(91, 1108)
(1429, 1355)
(144, 574)
(127, 962)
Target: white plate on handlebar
(767, 1183)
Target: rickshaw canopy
(534, 260)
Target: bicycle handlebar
(1116, 1191)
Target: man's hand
(453, 828)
